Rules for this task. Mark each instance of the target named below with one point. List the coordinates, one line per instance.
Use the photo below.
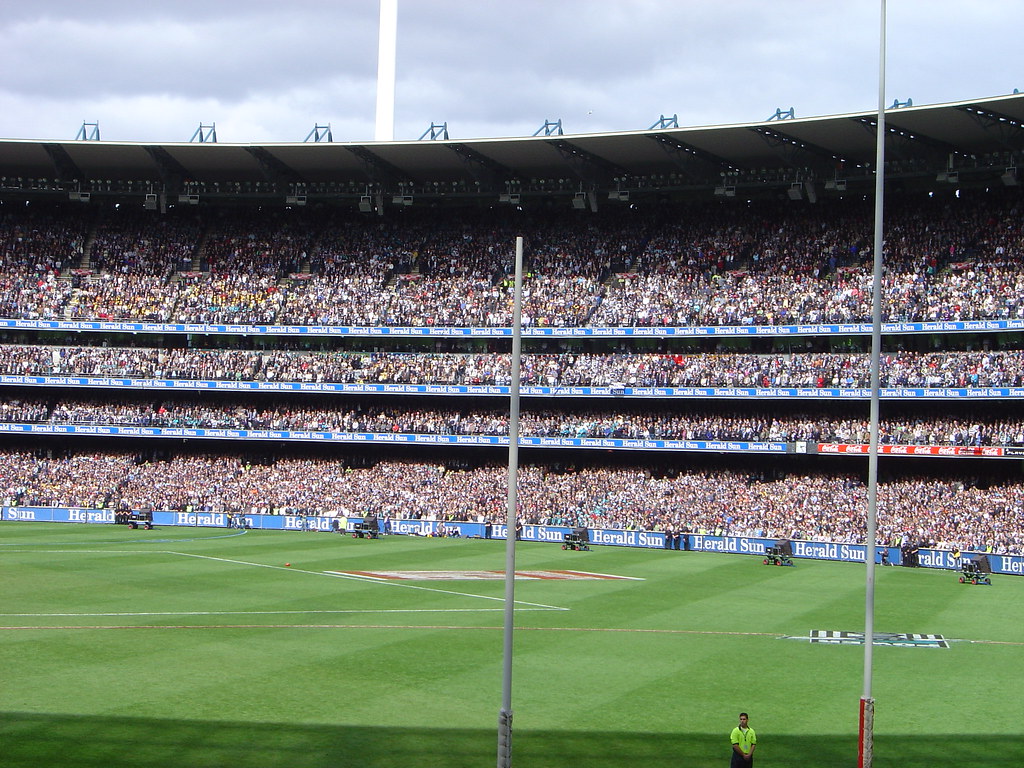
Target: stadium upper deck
(973, 143)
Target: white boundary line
(392, 627)
(131, 542)
(265, 613)
(85, 551)
(521, 604)
(609, 576)
(365, 580)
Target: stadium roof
(975, 139)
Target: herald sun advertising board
(694, 542)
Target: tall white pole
(867, 703)
(387, 52)
(505, 715)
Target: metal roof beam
(65, 167)
(798, 153)
(379, 170)
(172, 173)
(274, 169)
(907, 143)
(689, 159)
(485, 170)
(587, 166)
(1009, 131)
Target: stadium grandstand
(323, 329)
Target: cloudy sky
(268, 71)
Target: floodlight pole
(387, 54)
(865, 750)
(505, 715)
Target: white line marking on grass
(267, 613)
(604, 575)
(987, 642)
(243, 626)
(480, 575)
(364, 580)
(119, 541)
(392, 627)
(388, 627)
(83, 552)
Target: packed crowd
(41, 241)
(945, 514)
(629, 421)
(256, 242)
(558, 370)
(700, 265)
(140, 245)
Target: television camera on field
(780, 554)
(367, 528)
(976, 570)
(135, 519)
(577, 539)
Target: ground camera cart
(975, 571)
(366, 529)
(780, 554)
(578, 539)
(135, 519)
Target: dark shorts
(739, 762)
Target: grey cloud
(488, 67)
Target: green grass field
(187, 648)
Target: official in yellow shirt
(744, 741)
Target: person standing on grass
(744, 741)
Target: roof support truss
(798, 153)
(695, 164)
(907, 145)
(65, 167)
(276, 171)
(590, 168)
(380, 171)
(1008, 131)
(172, 173)
(487, 172)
